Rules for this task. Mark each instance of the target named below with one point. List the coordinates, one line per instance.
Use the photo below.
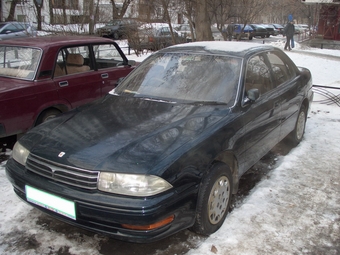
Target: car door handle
(105, 75)
(63, 84)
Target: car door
(286, 80)
(75, 77)
(110, 64)
(261, 118)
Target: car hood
(118, 133)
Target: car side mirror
(131, 62)
(252, 95)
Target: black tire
(47, 115)
(211, 209)
(296, 135)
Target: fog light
(150, 226)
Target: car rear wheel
(297, 134)
(213, 200)
(47, 115)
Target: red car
(45, 76)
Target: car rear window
(19, 62)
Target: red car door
(111, 64)
(75, 77)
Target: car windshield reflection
(184, 78)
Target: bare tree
(202, 21)
(50, 9)
(221, 11)
(91, 15)
(11, 14)
(116, 14)
(189, 11)
(38, 5)
(248, 11)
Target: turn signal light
(150, 226)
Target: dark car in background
(13, 29)
(155, 37)
(243, 31)
(184, 30)
(271, 30)
(259, 30)
(279, 27)
(166, 149)
(118, 29)
(42, 77)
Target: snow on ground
(296, 210)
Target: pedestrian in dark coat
(230, 31)
(289, 32)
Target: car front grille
(73, 176)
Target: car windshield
(19, 62)
(181, 77)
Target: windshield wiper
(207, 103)
(158, 100)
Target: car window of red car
(73, 60)
(19, 62)
(107, 56)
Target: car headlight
(132, 184)
(20, 153)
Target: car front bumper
(106, 213)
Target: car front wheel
(213, 200)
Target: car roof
(50, 41)
(239, 49)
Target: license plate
(51, 202)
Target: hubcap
(300, 125)
(218, 200)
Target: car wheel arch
(56, 108)
(229, 159)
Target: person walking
(230, 31)
(289, 32)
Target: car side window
(281, 70)
(107, 56)
(73, 60)
(10, 28)
(258, 75)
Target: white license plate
(51, 202)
